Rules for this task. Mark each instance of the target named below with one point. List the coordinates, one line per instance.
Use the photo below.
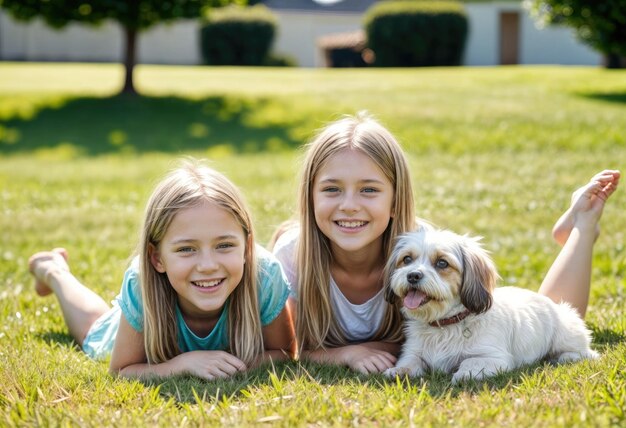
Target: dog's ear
(479, 276)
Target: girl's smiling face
(352, 200)
(202, 254)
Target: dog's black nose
(414, 277)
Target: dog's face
(432, 271)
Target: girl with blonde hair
(355, 198)
(200, 298)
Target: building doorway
(509, 38)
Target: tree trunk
(614, 60)
(129, 60)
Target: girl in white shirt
(355, 198)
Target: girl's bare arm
(279, 337)
(129, 359)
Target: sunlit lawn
(494, 151)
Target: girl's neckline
(200, 327)
(358, 288)
(347, 301)
(356, 262)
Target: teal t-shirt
(273, 292)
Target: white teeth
(207, 284)
(351, 224)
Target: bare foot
(587, 204)
(42, 264)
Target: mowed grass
(493, 151)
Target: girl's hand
(206, 364)
(366, 360)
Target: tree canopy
(600, 24)
(133, 16)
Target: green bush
(237, 36)
(416, 33)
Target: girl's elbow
(115, 370)
(118, 369)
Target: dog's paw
(395, 372)
(401, 372)
(592, 355)
(467, 375)
(568, 357)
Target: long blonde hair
(316, 324)
(189, 186)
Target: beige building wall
(298, 32)
(175, 43)
(552, 45)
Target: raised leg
(80, 305)
(608, 179)
(569, 277)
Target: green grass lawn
(494, 152)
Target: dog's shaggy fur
(458, 322)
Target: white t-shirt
(358, 322)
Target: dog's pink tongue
(414, 299)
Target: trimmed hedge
(237, 36)
(416, 33)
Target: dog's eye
(407, 260)
(441, 264)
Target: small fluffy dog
(458, 322)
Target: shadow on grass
(190, 389)
(187, 389)
(58, 338)
(439, 384)
(617, 97)
(94, 126)
(604, 337)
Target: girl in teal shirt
(200, 298)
